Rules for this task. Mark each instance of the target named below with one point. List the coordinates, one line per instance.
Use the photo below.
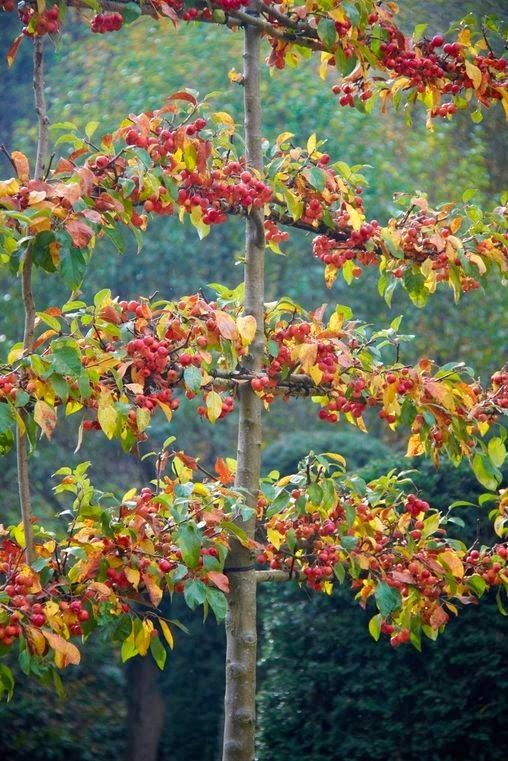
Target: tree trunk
(145, 715)
(239, 723)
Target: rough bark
(28, 298)
(145, 714)
(239, 725)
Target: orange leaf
(153, 589)
(20, 161)
(224, 473)
(45, 417)
(220, 580)
(65, 652)
(438, 617)
(226, 324)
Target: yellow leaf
(336, 457)
(168, 412)
(15, 353)
(414, 446)
(355, 217)
(9, 187)
(45, 417)
(143, 418)
(246, 325)
(307, 355)
(223, 116)
(36, 640)
(226, 324)
(213, 406)
(330, 275)
(144, 636)
(107, 415)
(65, 652)
(450, 560)
(284, 137)
(129, 494)
(167, 633)
(274, 537)
(133, 576)
(316, 374)
(474, 74)
(311, 144)
(327, 587)
(479, 263)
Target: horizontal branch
(278, 576)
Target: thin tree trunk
(28, 298)
(145, 713)
(239, 724)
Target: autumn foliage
(114, 364)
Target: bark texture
(239, 724)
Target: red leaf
(220, 580)
(79, 232)
(11, 53)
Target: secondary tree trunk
(145, 715)
(239, 724)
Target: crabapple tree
(114, 364)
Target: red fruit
(165, 565)
(83, 615)
(38, 619)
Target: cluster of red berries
(8, 385)
(272, 233)
(415, 506)
(230, 5)
(500, 388)
(150, 355)
(106, 22)
(38, 23)
(7, 5)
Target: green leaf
(130, 12)
(189, 541)
(218, 603)
(194, 593)
(387, 599)
(192, 377)
(6, 417)
(279, 503)
(6, 681)
(158, 652)
(488, 475)
(327, 32)
(41, 255)
(73, 267)
(66, 359)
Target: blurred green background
(326, 690)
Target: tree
(116, 362)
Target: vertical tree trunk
(145, 715)
(239, 724)
(28, 298)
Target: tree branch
(28, 298)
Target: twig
(28, 299)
